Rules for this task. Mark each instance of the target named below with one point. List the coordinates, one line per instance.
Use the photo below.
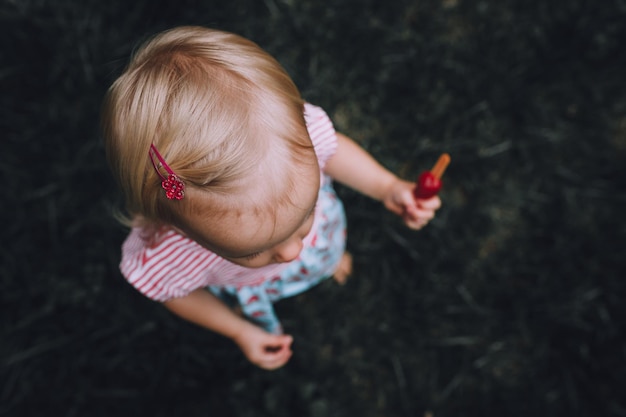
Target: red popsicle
(429, 182)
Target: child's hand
(266, 350)
(416, 213)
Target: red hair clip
(174, 187)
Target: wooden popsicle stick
(441, 165)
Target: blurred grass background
(511, 303)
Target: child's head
(226, 118)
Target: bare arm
(353, 166)
(263, 349)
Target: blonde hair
(216, 106)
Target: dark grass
(509, 304)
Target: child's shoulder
(322, 132)
(315, 114)
(150, 239)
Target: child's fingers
(403, 202)
(266, 350)
(277, 343)
(420, 213)
(415, 223)
(433, 203)
(275, 360)
(425, 215)
(416, 213)
(424, 208)
(277, 352)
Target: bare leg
(344, 269)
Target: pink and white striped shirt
(172, 265)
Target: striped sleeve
(173, 267)
(322, 133)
